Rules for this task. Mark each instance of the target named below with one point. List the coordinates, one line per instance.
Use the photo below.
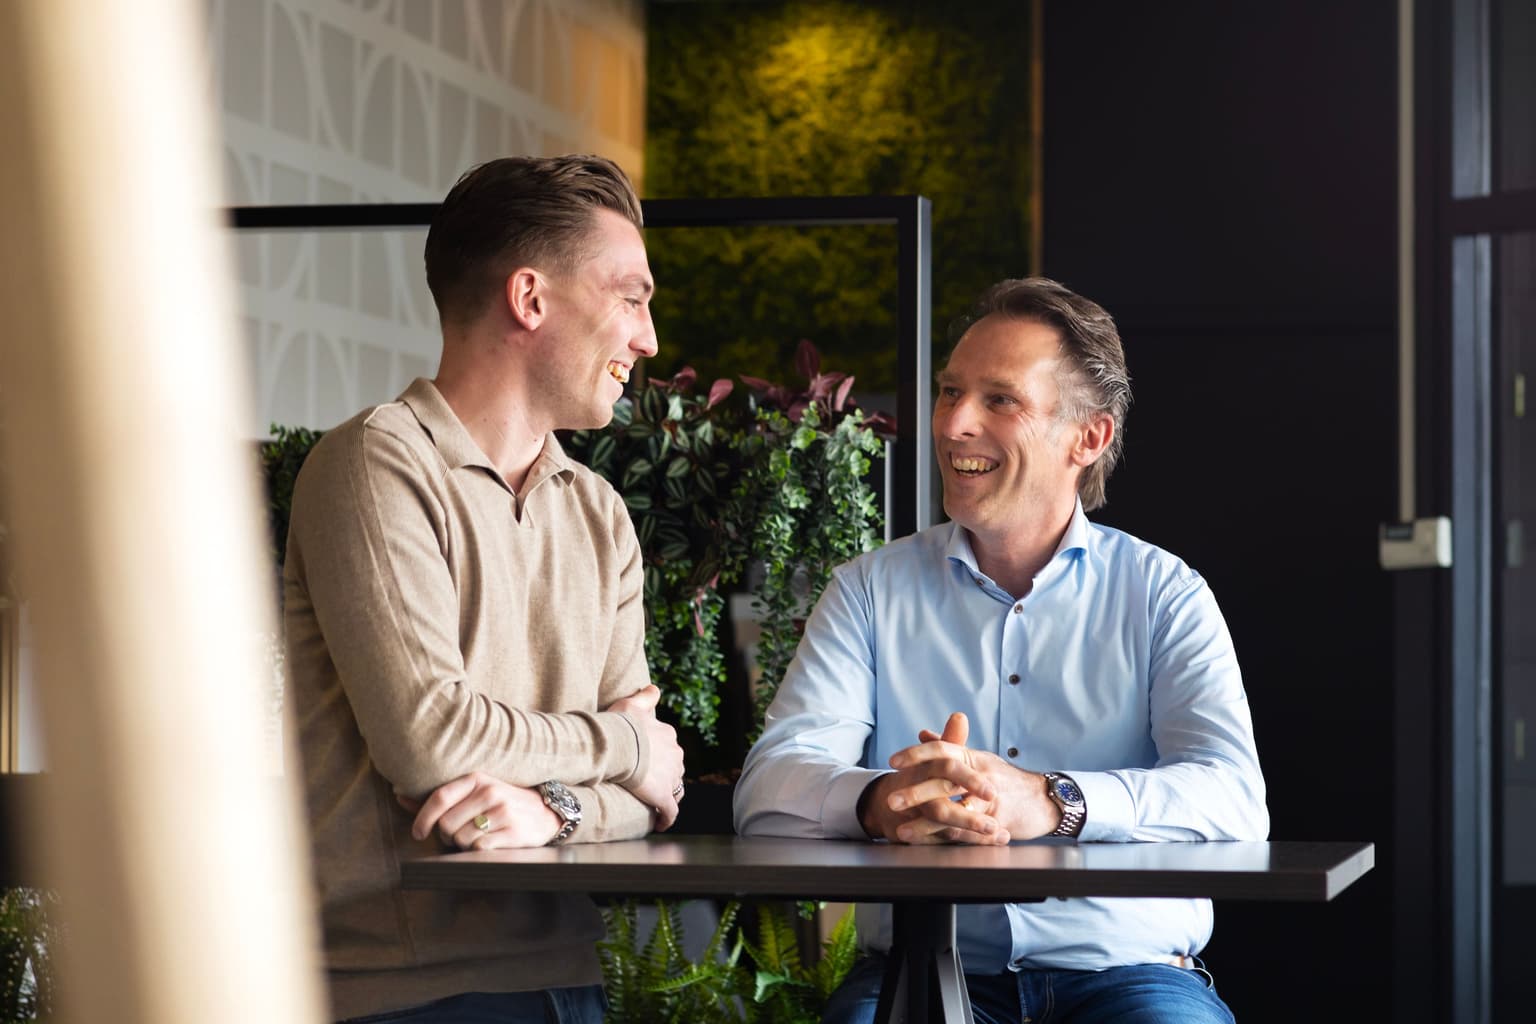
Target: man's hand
(662, 785)
(916, 804)
(514, 816)
(1013, 800)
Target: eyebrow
(637, 282)
(989, 383)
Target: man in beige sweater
(463, 614)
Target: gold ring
(482, 823)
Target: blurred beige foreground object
(136, 518)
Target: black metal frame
(910, 500)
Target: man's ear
(527, 297)
(1093, 440)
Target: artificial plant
(778, 480)
(673, 457)
(807, 502)
(281, 457)
(736, 980)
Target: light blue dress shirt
(1116, 668)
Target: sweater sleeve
(608, 813)
(366, 549)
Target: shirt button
(1013, 751)
(1014, 679)
(1017, 608)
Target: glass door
(1491, 215)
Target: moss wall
(831, 98)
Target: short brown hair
(1096, 380)
(518, 212)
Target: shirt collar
(1074, 542)
(459, 450)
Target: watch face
(1068, 792)
(562, 801)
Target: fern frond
(722, 930)
(838, 954)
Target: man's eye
(949, 392)
(1003, 400)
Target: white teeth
(619, 372)
(965, 464)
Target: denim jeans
(1140, 994)
(583, 1005)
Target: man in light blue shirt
(1022, 672)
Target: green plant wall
(831, 98)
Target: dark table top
(662, 866)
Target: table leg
(923, 979)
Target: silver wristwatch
(1065, 795)
(565, 805)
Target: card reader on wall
(1421, 544)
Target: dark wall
(1222, 178)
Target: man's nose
(644, 341)
(958, 419)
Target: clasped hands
(480, 812)
(945, 792)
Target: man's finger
(666, 814)
(984, 831)
(642, 700)
(920, 793)
(441, 798)
(957, 729)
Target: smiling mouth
(618, 371)
(970, 465)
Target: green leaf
(637, 502)
(678, 467)
(636, 470)
(653, 403)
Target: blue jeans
(583, 1005)
(1140, 994)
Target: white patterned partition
(351, 101)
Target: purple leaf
(718, 391)
(755, 383)
(841, 398)
(683, 379)
(807, 359)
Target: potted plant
(735, 980)
(770, 491)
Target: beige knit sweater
(438, 624)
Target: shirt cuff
(840, 812)
(1111, 811)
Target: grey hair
(1093, 379)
